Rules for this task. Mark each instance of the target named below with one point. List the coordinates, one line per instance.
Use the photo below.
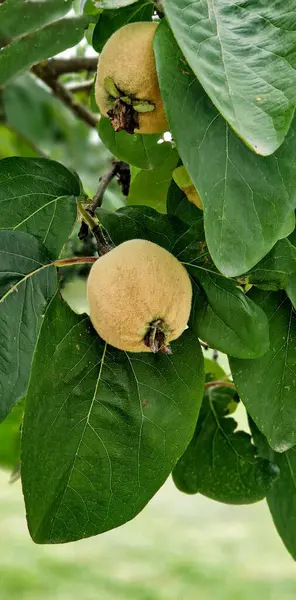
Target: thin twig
(99, 195)
(43, 71)
(219, 382)
(76, 260)
(81, 86)
(119, 169)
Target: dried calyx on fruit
(127, 89)
(139, 297)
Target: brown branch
(44, 72)
(60, 66)
(99, 195)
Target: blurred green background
(180, 547)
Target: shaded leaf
(142, 151)
(18, 17)
(111, 20)
(247, 199)
(26, 286)
(141, 222)
(151, 187)
(274, 271)
(94, 456)
(226, 318)
(22, 53)
(267, 385)
(291, 289)
(222, 463)
(179, 205)
(244, 56)
(38, 196)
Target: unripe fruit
(127, 89)
(139, 297)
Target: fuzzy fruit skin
(133, 285)
(128, 58)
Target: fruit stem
(155, 338)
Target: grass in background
(179, 548)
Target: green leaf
(18, 17)
(142, 151)
(227, 319)
(10, 437)
(151, 187)
(38, 196)
(222, 463)
(267, 385)
(247, 199)
(179, 205)
(281, 498)
(243, 55)
(22, 53)
(275, 270)
(26, 286)
(94, 456)
(111, 20)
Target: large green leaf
(243, 55)
(22, 53)
(142, 151)
(247, 199)
(111, 20)
(38, 196)
(26, 286)
(18, 17)
(281, 498)
(227, 319)
(222, 463)
(151, 187)
(267, 385)
(96, 452)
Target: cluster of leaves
(103, 429)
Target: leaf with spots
(27, 283)
(102, 429)
(38, 196)
(222, 463)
